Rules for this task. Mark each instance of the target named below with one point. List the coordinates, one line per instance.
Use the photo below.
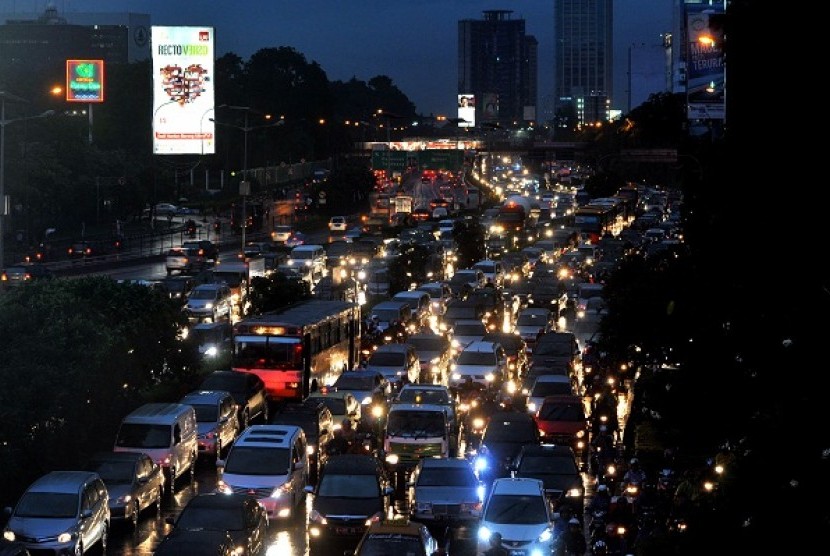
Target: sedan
(445, 490)
(240, 515)
(134, 482)
(196, 542)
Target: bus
(310, 342)
(594, 221)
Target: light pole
(4, 97)
(244, 185)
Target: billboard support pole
(89, 112)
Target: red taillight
(4, 278)
(27, 276)
(70, 251)
(88, 251)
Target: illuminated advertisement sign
(183, 98)
(84, 81)
(466, 110)
(705, 87)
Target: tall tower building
(497, 63)
(583, 61)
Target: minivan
(397, 362)
(387, 314)
(420, 304)
(62, 512)
(310, 255)
(440, 293)
(270, 462)
(167, 432)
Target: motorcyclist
(635, 474)
(496, 549)
(601, 502)
(344, 438)
(572, 542)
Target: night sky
(414, 42)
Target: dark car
(352, 492)
(80, 249)
(177, 287)
(22, 273)
(316, 421)
(247, 389)
(197, 542)
(207, 248)
(134, 482)
(516, 350)
(504, 435)
(557, 467)
(240, 515)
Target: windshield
(542, 389)
(135, 435)
(232, 279)
(447, 476)
(477, 329)
(384, 544)
(531, 320)
(206, 293)
(228, 384)
(433, 291)
(561, 412)
(387, 359)
(336, 485)
(432, 396)
(266, 352)
(559, 349)
(336, 405)
(387, 315)
(517, 510)
(47, 504)
(211, 518)
(258, 461)
(206, 413)
(114, 472)
(547, 465)
(346, 382)
(477, 358)
(423, 345)
(515, 432)
(416, 424)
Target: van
(313, 256)
(63, 512)
(390, 313)
(398, 363)
(271, 463)
(420, 304)
(167, 432)
(440, 293)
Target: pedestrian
(496, 549)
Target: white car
(483, 362)
(337, 224)
(516, 508)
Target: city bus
(594, 221)
(310, 342)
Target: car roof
(446, 462)
(406, 406)
(218, 500)
(395, 527)
(355, 464)
(482, 346)
(117, 456)
(68, 482)
(547, 449)
(552, 378)
(517, 485)
(204, 396)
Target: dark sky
(414, 42)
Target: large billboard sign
(85, 81)
(466, 110)
(705, 87)
(183, 95)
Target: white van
(167, 432)
(313, 256)
(420, 303)
(390, 313)
(270, 461)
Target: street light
(244, 186)
(4, 97)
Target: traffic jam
(470, 413)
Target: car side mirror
(86, 514)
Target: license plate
(346, 530)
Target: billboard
(490, 111)
(705, 72)
(466, 110)
(183, 96)
(84, 81)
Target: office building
(497, 63)
(583, 61)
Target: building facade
(649, 70)
(497, 63)
(583, 82)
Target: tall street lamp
(244, 185)
(8, 97)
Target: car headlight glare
(484, 534)
(573, 493)
(546, 535)
(9, 536)
(208, 305)
(64, 537)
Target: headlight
(64, 537)
(531, 407)
(392, 459)
(480, 464)
(366, 401)
(490, 377)
(309, 450)
(224, 488)
(316, 517)
(284, 488)
(9, 535)
(212, 351)
(208, 305)
(455, 343)
(484, 534)
(573, 493)
(124, 499)
(456, 376)
(478, 423)
(580, 434)
(546, 535)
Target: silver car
(134, 482)
(445, 490)
(216, 418)
(209, 301)
(63, 512)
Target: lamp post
(244, 185)
(8, 97)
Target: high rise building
(583, 61)
(497, 63)
(649, 70)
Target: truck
(237, 274)
(515, 215)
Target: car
(337, 224)
(433, 394)
(185, 260)
(532, 322)
(217, 420)
(353, 492)
(197, 542)
(548, 385)
(482, 361)
(247, 389)
(208, 249)
(466, 332)
(133, 480)
(517, 509)
(516, 350)
(557, 467)
(209, 301)
(281, 234)
(397, 362)
(434, 354)
(295, 239)
(316, 421)
(365, 385)
(178, 286)
(81, 249)
(165, 209)
(343, 405)
(561, 419)
(257, 249)
(440, 294)
(240, 515)
(421, 214)
(445, 491)
(504, 435)
(397, 536)
(62, 512)
(212, 338)
(24, 272)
